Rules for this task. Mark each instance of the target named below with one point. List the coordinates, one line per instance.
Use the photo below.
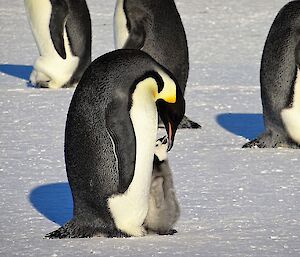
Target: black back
(156, 28)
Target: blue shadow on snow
(54, 201)
(248, 125)
(19, 71)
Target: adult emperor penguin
(163, 211)
(155, 27)
(110, 139)
(62, 31)
(280, 81)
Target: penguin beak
(171, 115)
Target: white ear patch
(121, 33)
(169, 91)
(291, 116)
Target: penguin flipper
(57, 25)
(121, 130)
(137, 32)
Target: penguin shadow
(247, 125)
(16, 70)
(54, 201)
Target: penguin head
(165, 91)
(170, 105)
(161, 149)
(136, 76)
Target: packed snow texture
(234, 202)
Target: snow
(234, 201)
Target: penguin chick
(164, 208)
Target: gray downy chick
(163, 209)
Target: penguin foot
(166, 233)
(253, 144)
(74, 229)
(69, 85)
(42, 84)
(71, 231)
(49, 84)
(189, 124)
(266, 140)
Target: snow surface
(234, 202)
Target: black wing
(121, 130)
(136, 27)
(57, 24)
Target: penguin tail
(186, 123)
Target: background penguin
(280, 81)
(164, 208)
(155, 27)
(62, 31)
(110, 138)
